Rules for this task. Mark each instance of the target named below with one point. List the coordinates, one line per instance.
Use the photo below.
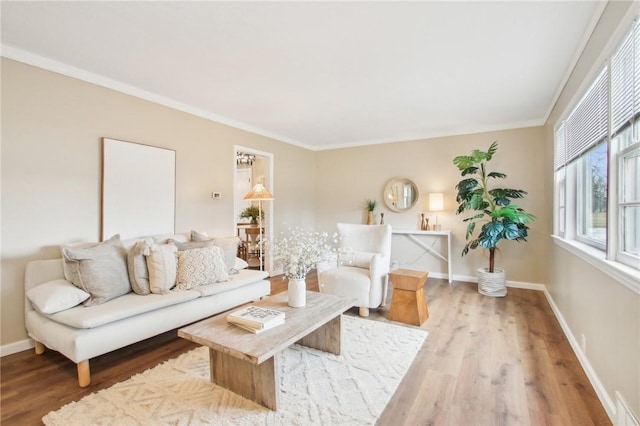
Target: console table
(413, 236)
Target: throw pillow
(100, 270)
(190, 245)
(162, 267)
(55, 296)
(200, 267)
(240, 264)
(229, 246)
(138, 270)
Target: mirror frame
(387, 192)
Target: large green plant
(501, 219)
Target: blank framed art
(138, 189)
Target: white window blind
(560, 151)
(625, 82)
(587, 124)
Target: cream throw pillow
(162, 266)
(137, 263)
(99, 269)
(201, 266)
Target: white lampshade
(436, 201)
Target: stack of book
(256, 319)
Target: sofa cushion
(137, 265)
(99, 269)
(55, 296)
(200, 266)
(162, 266)
(122, 307)
(244, 277)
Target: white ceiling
(318, 74)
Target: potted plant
(251, 212)
(370, 206)
(500, 218)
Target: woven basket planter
(492, 283)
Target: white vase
(492, 283)
(297, 292)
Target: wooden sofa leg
(364, 312)
(84, 374)
(40, 347)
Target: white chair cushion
(347, 281)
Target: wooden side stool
(408, 303)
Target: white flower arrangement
(301, 251)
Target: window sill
(623, 274)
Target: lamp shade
(259, 192)
(436, 201)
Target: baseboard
(16, 347)
(605, 399)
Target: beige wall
(347, 176)
(51, 152)
(593, 303)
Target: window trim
(626, 275)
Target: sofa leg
(40, 347)
(364, 312)
(84, 374)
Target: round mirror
(400, 194)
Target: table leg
(326, 338)
(255, 382)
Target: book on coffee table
(255, 318)
(257, 330)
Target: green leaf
(496, 175)
(466, 185)
(469, 170)
(470, 228)
(492, 149)
(463, 162)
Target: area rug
(317, 388)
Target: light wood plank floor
(486, 362)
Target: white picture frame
(138, 189)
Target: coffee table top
(218, 334)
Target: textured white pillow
(162, 266)
(55, 296)
(229, 246)
(201, 266)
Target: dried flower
(301, 251)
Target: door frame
(267, 206)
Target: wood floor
(487, 361)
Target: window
(592, 197)
(597, 160)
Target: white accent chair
(361, 270)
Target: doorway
(251, 167)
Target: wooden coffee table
(246, 363)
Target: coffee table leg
(326, 338)
(255, 382)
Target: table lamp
(436, 204)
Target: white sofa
(81, 333)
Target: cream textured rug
(316, 387)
